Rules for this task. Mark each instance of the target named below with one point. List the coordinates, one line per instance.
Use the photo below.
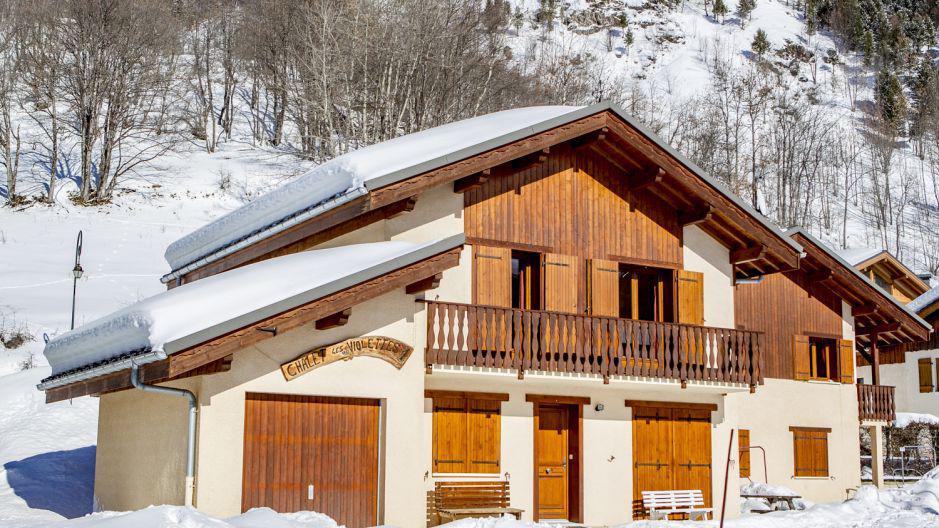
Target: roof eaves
(830, 252)
(311, 295)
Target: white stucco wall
(780, 404)
(706, 255)
(607, 437)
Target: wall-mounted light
(749, 280)
(599, 407)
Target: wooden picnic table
(773, 499)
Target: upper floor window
(526, 280)
(645, 293)
(823, 358)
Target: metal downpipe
(191, 441)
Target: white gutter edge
(350, 195)
(101, 370)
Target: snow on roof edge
(160, 323)
(398, 175)
(363, 168)
(925, 300)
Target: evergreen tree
(867, 48)
(811, 16)
(745, 9)
(628, 39)
(926, 90)
(719, 10)
(891, 102)
(760, 44)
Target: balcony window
(526, 280)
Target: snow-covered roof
(924, 300)
(354, 174)
(193, 313)
(855, 256)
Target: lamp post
(76, 273)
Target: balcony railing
(876, 403)
(534, 340)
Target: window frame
(809, 434)
(832, 359)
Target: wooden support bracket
(863, 309)
(695, 217)
(819, 276)
(472, 181)
(530, 160)
(424, 284)
(648, 179)
(404, 206)
(587, 140)
(334, 320)
(747, 254)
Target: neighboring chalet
(549, 300)
(886, 271)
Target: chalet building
(546, 303)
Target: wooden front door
(312, 453)
(671, 451)
(553, 439)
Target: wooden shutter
(743, 441)
(604, 288)
(449, 435)
(690, 297)
(483, 427)
(810, 447)
(801, 358)
(560, 282)
(846, 360)
(925, 375)
(492, 276)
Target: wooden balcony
(533, 340)
(876, 403)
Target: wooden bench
(661, 504)
(457, 500)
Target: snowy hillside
(675, 62)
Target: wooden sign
(391, 350)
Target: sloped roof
(924, 301)
(362, 171)
(873, 291)
(855, 256)
(193, 313)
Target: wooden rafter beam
(404, 206)
(863, 309)
(587, 140)
(819, 276)
(472, 181)
(530, 160)
(334, 320)
(227, 344)
(879, 329)
(653, 177)
(696, 217)
(424, 284)
(747, 254)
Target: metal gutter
(101, 370)
(824, 247)
(266, 232)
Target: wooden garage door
(295, 442)
(671, 451)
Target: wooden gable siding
(574, 204)
(784, 306)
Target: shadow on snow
(60, 481)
